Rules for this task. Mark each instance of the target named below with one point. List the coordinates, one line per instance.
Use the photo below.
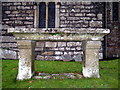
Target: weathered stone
(55, 74)
(26, 65)
(71, 44)
(62, 18)
(8, 45)
(8, 54)
(67, 48)
(79, 76)
(43, 74)
(38, 77)
(78, 57)
(91, 14)
(67, 57)
(62, 49)
(50, 58)
(17, 3)
(91, 58)
(59, 76)
(39, 57)
(50, 44)
(58, 58)
(7, 39)
(99, 16)
(28, 22)
(96, 24)
(7, 12)
(78, 48)
(47, 77)
(40, 44)
(72, 77)
(72, 49)
(48, 53)
(61, 44)
(78, 14)
(91, 48)
(70, 53)
(58, 53)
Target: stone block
(12, 8)
(28, 22)
(78, 57)
(67, 48)
(78, 43)
(49, 58)
(58, 57)
(91, 14)
(76, 52)
(39, 49)
(58, 53)
(99, 16)
(8, 54)
(85, 18)
(78, 48)
(70, 53)
(67, 57)
(8, 45)
(7, 12)
(40, 44)
(100, 55)
(17, 3)
(15, 12)
(69, 44)
(2, 32)
(50, 44)
(73, 18)
(62, 18)
(61, 48)
(63, 25)
(62, 10)
(91, 58)
(39, 57)
(48, 53)
(61, 44)
(88, 7)
(72, 48)
(65, 53)
(78, 14)
(86, 11)
(7, 39)
(95, 23)
(86, 3)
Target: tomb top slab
(61, 34)
(59, 30)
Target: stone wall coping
(59, 30)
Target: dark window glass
(42, 15)
(51, 15)
(115, 11)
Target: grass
(108, 72)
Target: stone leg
(26, 57)
(91, 58)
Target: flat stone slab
(58, 76)
(61, 34)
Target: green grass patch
(108, 73)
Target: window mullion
(56, 15)
(47, 14)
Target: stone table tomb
(91, 42)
